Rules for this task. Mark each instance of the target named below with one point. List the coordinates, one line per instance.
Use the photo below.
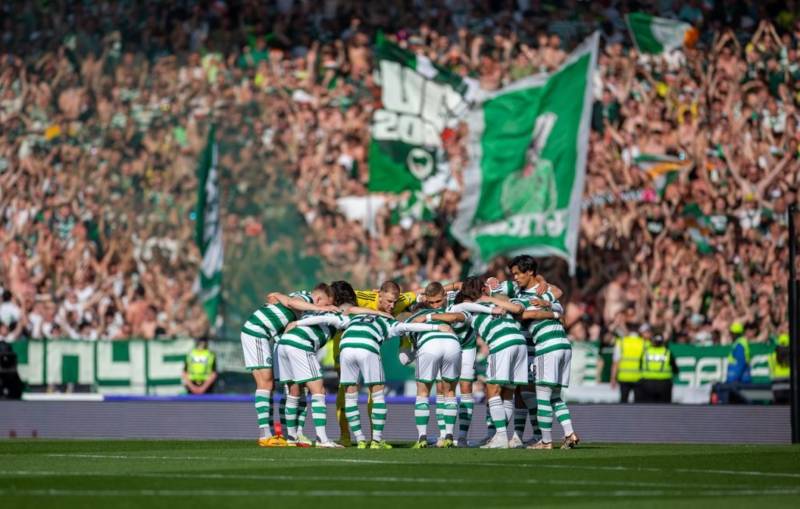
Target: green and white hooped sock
(320, 416)
(291, 416)
(508, 408)
(421, 414)
(352, 414)
(490, 431)
(498, 414)
(561, 412)
(450, 414)
(466, 408)
(302, 413)
(440, 421)
(379, 412)
(264, 411)
(544, 412)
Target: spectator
(10, 313)
(199, 370)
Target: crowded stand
(104, 110)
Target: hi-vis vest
(656, 363)
(778, 372)
(741, 340)
(199, 364)
(628, 368)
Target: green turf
(223, 474)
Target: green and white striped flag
(208, 231)
(655, 35)
(419, 100)
(524, 183)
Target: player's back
(270, 320)
(548, 334)
(366, 331)
(466, 335)
(499, 331)
(422, 338)
(308, 337)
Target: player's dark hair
(471, 289)
(433, 289)
(324, 288)
(343, 293)
(525, 263)
(390, 286)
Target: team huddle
(519, 322)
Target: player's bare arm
(540, 314)
(507, 305)
(297, 304)
(442, 317)
(453, 287)
(544, 286)
(358, 310)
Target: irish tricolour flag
(662, 169)
(659, 35)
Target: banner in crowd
(700, 365)
(208, 233)
(528, 146)
(631, 195)
(106, 367)
(419, 99)
(154, 367)
(654, 35)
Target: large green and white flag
(655, 35)
(524, 182)
(419, 99)
(208, 230)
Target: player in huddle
(519, 322)
(258, 335)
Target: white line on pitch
(647, 469)
(384, 462)
(271, 477)
(385, 493)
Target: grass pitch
(230, 474)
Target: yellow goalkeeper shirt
(369, 299)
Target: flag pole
(794, 360)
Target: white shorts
(509, 366)
(439, 359)
(257, 352)
(296, 365)
(468, 365)
(552, 368)
(358, 361)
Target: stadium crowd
(104, 109)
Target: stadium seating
(104, 113)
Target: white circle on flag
(420, 163)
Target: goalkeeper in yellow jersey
(389, 299)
